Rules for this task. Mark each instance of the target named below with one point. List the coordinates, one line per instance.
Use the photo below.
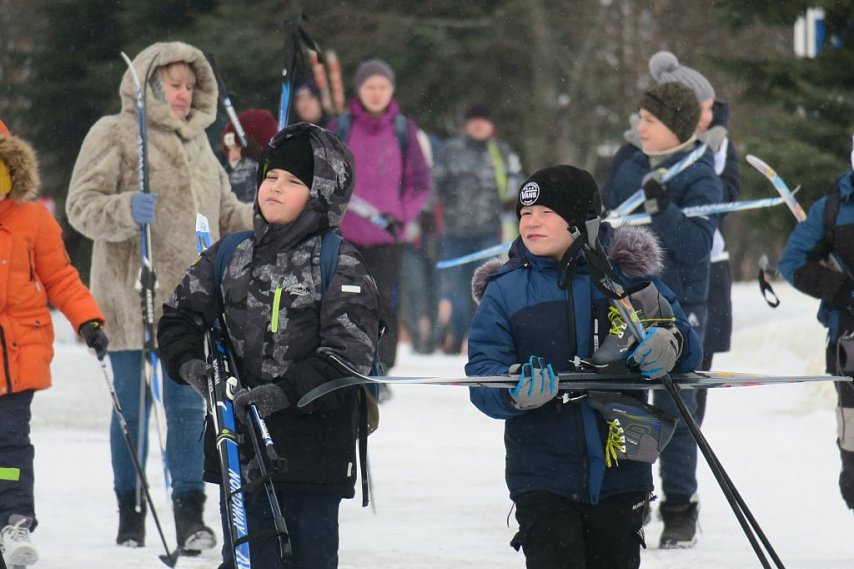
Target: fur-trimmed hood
(205, 92)
(23, 166)
(635, 250)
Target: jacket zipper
(6, 362)
(570, 313)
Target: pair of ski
(622, 214)
(223, 382)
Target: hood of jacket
(203, 109)
(23, 166)
(331, 188)
(636, 252)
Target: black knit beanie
(569, 191)
(676, 106)
(293, 153)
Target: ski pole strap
(363, 445)
(767, 291)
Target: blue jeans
(16, 452)
(678, 461)
(185, 414)
(312, 521)
(456, 281)
(418, 281)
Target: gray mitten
(714, 137)
(656, 355)
(267, 398)
(195, 373)
(537, 384)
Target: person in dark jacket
(475, 177)
(282, 325)
(573, 510)
(668, 117)
(241, 163)
(804, 265)
(712, 129)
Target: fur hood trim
(635, 250)
(23, 166)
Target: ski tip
(757, 163)
(171, 559)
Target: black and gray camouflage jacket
(317, 441)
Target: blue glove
(142, 207)
(656, 355)
(536, 386)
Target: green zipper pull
(277, 297)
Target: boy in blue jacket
(669, 114)
(538, 312)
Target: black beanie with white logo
(570, 192)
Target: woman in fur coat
(104, 204)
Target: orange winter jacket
(34, 270)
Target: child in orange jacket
(34, 270)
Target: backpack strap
(831, 212)
(224, 252)
(343, 124)
(329, 245)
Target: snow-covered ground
(438, 466)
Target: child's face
(282, 196)
(178, 85)
(544, 232)
(706, 115)
(375, 94)
(654, 135)
(308, 108)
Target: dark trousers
(558, 533)
(312, 521)
(16, 457)
(383, 262)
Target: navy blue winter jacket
(807, 247)
(559, 446)
(687, 240)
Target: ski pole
(622, 303)
(170, 559)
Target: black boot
(193, 534)
(652, 310)
(680, 525)
(131, 522)
(846, 477)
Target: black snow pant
(558, 533)
(16, 457)
(383, 262)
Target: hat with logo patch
(570, 192)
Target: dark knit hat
(369, 69)
(293, 153)
(664, 68)
(478, 111)
(569, 191)
(675, 105)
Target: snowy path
(438, 467)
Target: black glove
(388, 222)
(195, 373)
(655, 193)
(93, 334)
(268, 399)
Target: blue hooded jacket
(801, 263)
(559, 446)
(687, 240)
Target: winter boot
(131, 522)
(846, 477)
(193, 534)
(15, 542)
(652, 310)
(680, 525)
